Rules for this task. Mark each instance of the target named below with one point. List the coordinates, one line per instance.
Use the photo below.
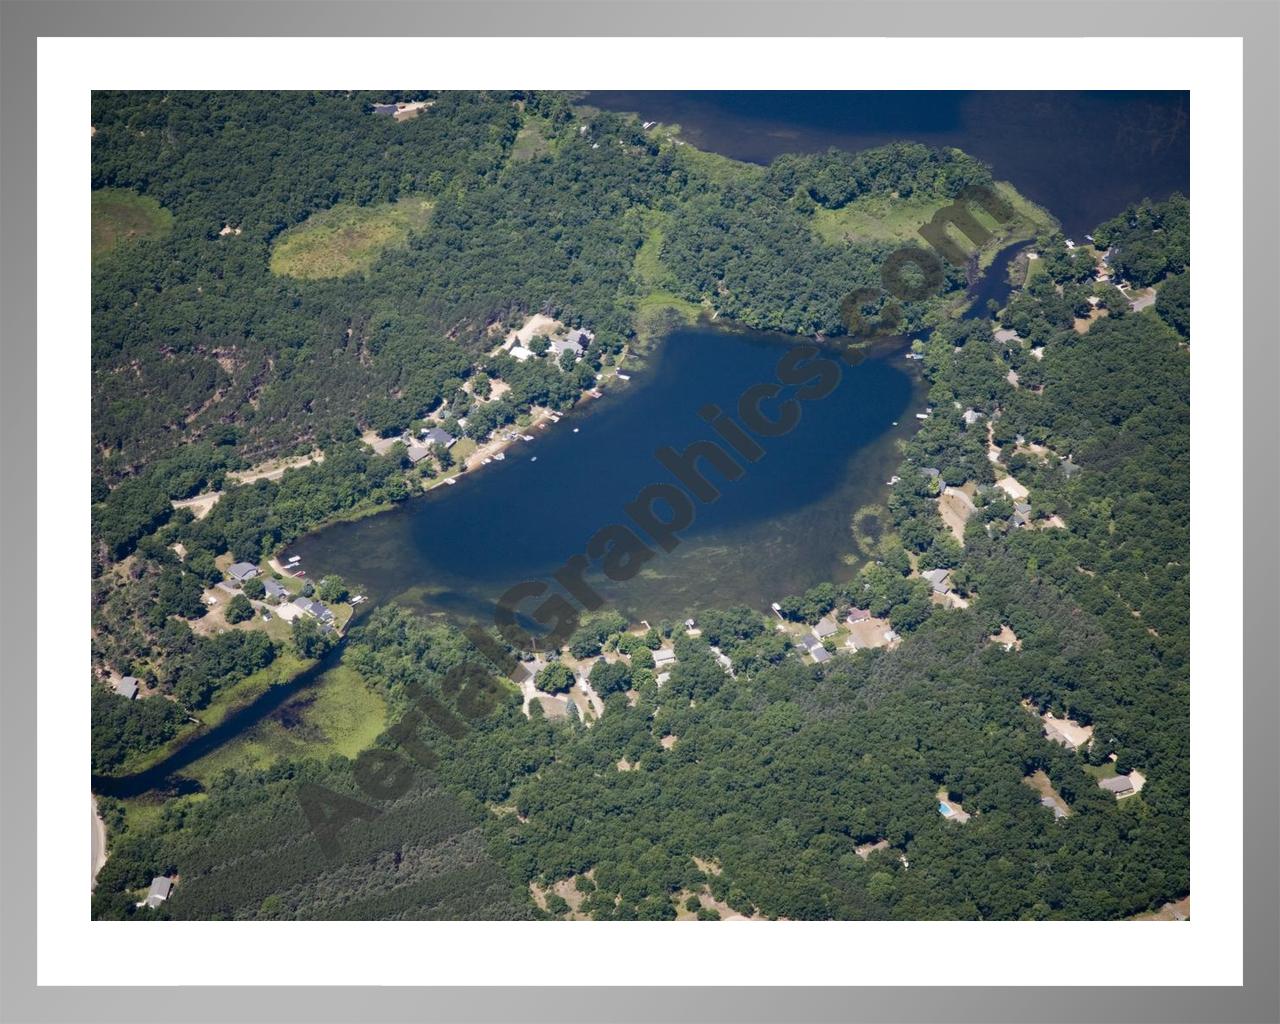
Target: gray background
(1257, 22)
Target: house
(559, 348)
(273, 588)
(664, 656)
(1021, 513)
(815, 649)
(939, 579)
(314, 608)
(581, 337)
(126, 686)
(1117, 785)
(519, 353)
(416, 453)
(857, 615)
(437, 436)
(971, 416)
(385, 108)
(932, 472)
(160, 889)
(826, 627)
(242, 571)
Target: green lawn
(119, 215)
(347, 239)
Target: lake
(779, 529)
(1082, 155)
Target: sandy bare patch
(1177, 910)
(1011, 487)
(707, 866)
(623, 765)
(1066, 731)
(955, 507)
(871, 633)
(274, 469)
(408, 111)
(669, 741)
(200, 504)
(1012, 377)
(867, 849)
(1054, 522)
(536, 324)
(1007, 639)
(1138, 780)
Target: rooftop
(127, 686)
(242, 570)
(826, 627)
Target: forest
(783, 790)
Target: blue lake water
(1082, 155)
(780, 528)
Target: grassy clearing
(338, 715)
(657, 306)
(875, 219)
(119, 215)
(896, 220)
(532, 141)
(722, 170)
(347, 239)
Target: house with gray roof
(1117, 785)
(559, 348)
(437, 436)
(384, 108)
(160, 889)
(416, 453)
(273, 588)
(826, 627)
(815, 650)
(1021, 514)
(314, 608)
(242, 571)
(939, 579)
(126, 686)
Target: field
(337, 715)
(347, 239)
(119, 215)
(656, 302)
(875, 218)
(891, 219)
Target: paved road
(99, 841)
